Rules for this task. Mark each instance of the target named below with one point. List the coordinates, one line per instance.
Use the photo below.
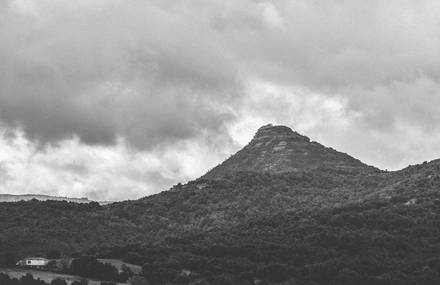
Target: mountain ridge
(4, 197)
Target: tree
(222, 280)
(54, 254)
(274, 272)
(138, 280)
(89, 266)
(52, 265)
(125, 273)
(80, 282)
(27, 279)
(4, 279)
(58, 282)
(158, 275)
(429, 277)
(396, 278)
(8, 259)
(134, 258)
(346, 277)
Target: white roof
(36, 258)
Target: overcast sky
(117, 99)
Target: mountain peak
(280, 132)
(278, 149)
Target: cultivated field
(46, 276)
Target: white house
(33, 262)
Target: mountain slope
(374, 243)
(278, 149)
(280, 200)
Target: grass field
(46, 276)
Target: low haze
(158, 92)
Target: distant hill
(282, 204)
(27, 197)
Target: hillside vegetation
(283, 208)
(376, 242)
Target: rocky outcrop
(278, 149)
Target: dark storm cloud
(99, 72)
(158, 72)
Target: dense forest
(391, 240)
(36, 227)
(377, 242)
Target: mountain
(278, 171)
(278, 149)
(281, 208)
(28, 197)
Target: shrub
(58, 282)
(88, 266)
(53, 254)
(80, 282)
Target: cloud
(117, 172)
(99, 71)
(160, 75)
(333, 121)
(155, 71)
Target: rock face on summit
(278, 149)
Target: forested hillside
(376, 242)
(285, 217)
